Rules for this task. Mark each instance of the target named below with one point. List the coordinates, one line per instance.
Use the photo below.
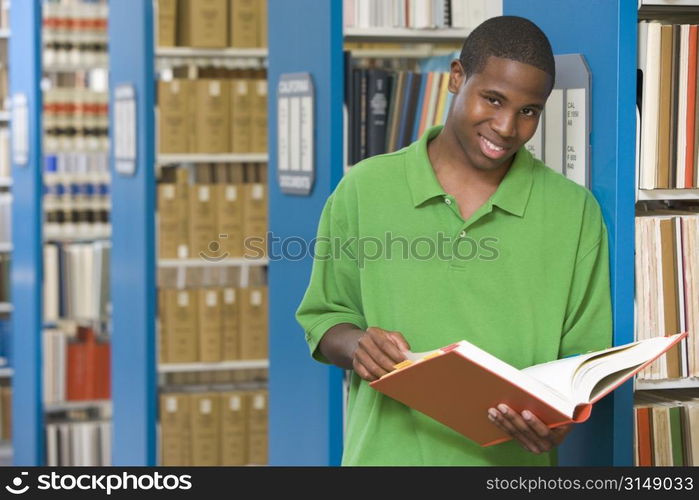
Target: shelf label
(20, 130)
(125, 129)
(576, 135)
(295, 133)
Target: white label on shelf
(258, 402)
(256, 298)
(576, 143)
(306, 140)
(211, 299)
(261, 87)
(125, 129)
(205, 406)
(535, 144)
(215, 88)
(231, 193)
(183, 299)
(234, 403)
(182, 251)
(171, 404)
(169, 191)
(203, 193)
(554, 125)
(242, 87)
(229, 295)
(175, 86)
(20, 130)
(258, 191)
(283, 132)
(295, 134)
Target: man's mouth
(490, 149)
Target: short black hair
(508, 37)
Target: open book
(458, 383)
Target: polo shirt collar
(512, 194)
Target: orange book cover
(76, 368)
(691, 107)
(426, 104)
(645, 449)
(457, 384)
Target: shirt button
(462, 234)
(447, 201)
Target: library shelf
(77, 405)
(174, 159)
(244, 364)
(668, 194)
(190, 263)
(197, 53)
(404, 34)
(680, 383)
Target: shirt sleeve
(333, 294)
(588, 323)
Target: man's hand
(377, 352)
(531, 432)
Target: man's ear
(457, 76)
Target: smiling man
(477, 240)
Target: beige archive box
(234, 428)
(203, 223)
(179, 323)
(254, 322)
(167, 23)
(175, 432)
(244, 23)
(229, 198)
(203, 23)
(209, 324)
(258, 143)
(206, 425)
(174, 117)
(241, 115)
(173, 221)
(230, 324)
(255, 220)
(257, 427)
(212, 116)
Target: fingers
(511, 423)
(378, 351)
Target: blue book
(420, 105)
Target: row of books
(390, 109)
(75, 119)
(5, 260)
(666, 428)
(5, 413)
(5, 166)
(81, 443)
(667, 287)
(418, 14)
(5, 339)
(212, 23)
(667, 61)
(214, 221)
(225, 428)
(212, 116)
(5, 218)
(76, 281)
(213, 324)
(76, 195)
(4, 78)
(75, 33)
(76, 365)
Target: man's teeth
(492, 146)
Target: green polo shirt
(525, 277)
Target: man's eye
(492, 100)
(529, 112)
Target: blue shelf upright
(133, 264)
(27, 271)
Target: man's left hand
(531, 432)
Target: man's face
(497, 110)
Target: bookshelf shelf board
(670, 3)
(404, 34)
(73, 68)
(5, 247)
(682, 383)
(169, 159)
(5, 181)
(87, 238)
(188, 263)
(194, 53)
(4, 116)
(5, 307)
(6, 372)
(5, 452)
(418, 53)
(668, 194)
(4, 33)
(252, 364)
(77, 405)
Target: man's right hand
(377, 352)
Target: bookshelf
(404, 35)
(199, 53)
(667, 194)
(178, 159)
(247, 364)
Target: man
(471, 238)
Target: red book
(77, 387)
(457, 384)
(643, 437)
(691, 108)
